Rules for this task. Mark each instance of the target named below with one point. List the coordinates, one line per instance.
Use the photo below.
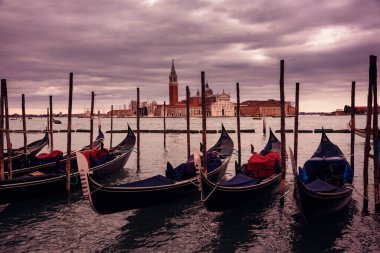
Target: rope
(205, 199)
(353, 188)
(286, 193)
(75, 176)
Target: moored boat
(324, 185)
(245, 187)
(179, 183)
(34, 164)
(20, 159)
(36, 184)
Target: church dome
(208, 91)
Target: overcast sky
(115, 46)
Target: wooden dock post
(138, 128)
(92, 118)
(24, 125)
(238, 121)
(204, 125)
(188, 120)
(9, 144)
(264, 125)
(51, 124)
(283, 140)
(367, 146)
(373, 73)
(296, 125)
(164, 124)
(353, 125)
(47, 122)
(111, 126)
(2, 166)
(69, 114)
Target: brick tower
(173, 86)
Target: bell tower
(173, 86)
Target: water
(55, 223)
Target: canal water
(59, 224)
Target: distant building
(271, 108)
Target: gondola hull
(219, 198)
(313, 204)
(107, 200)
(143, 193)
(36, 186)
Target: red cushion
(53, 154)
(263, 166)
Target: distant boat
(257, 118)
(30, 118)
(55, 121)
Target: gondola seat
(240, 180)
(330, 170)
(322, 186)
(152, 181)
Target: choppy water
(55, 223)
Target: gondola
(324, 185)
(19, 158)
(34, 164)
(360, 131)
(37, 184)
(154, 190)
(242, 189)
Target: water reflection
(238, 228)
(150, 227)
(321, 235)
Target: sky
(114, 46)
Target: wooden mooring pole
(69, 114)
(24, 125)
(296, 125)
(353, 125)
(367, 146)
(373, 70)
(138, 128)
(111, 126)
(9, 144)
(283, 141)
(47, 122)
(2, 167)
(204, 140)
(264, 125)
(51, 123)
(238, 121)
(164, 124)
(92, 118)
(188, 120)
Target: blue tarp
(152, 181)
(321, 186)
(240, 180)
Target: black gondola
(324, 185)
(33, 164)
(154, 190)
(39, 184)
(241, 189)
(19, 158)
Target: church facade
(218, 105)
